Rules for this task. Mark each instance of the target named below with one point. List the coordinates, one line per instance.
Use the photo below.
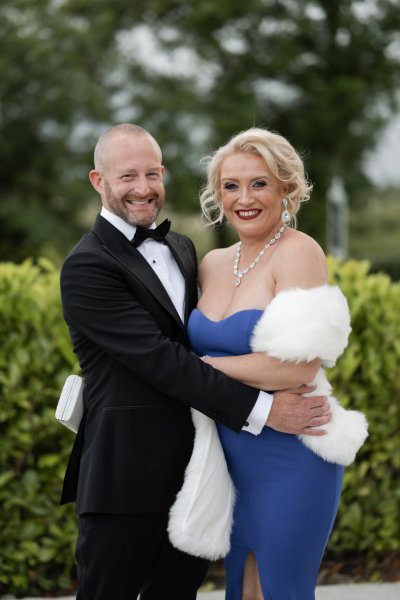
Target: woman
(287, 496)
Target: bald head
(106, 142)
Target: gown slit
(255, 592)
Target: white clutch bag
(69, 409)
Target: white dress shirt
(163, 263)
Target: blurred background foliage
(325, 74)
(37, 536)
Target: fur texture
(300, 325)
(201, 517)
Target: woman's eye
(260, 183)
(230, 186)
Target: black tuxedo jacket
(136, 437)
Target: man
(126, 300)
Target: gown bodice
(227, 337)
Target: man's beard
(119, 207)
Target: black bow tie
(158, 234)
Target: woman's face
(251, 196)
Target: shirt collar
(122, 226)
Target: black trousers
(122, 556)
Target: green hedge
(38, 536)
(367, 377)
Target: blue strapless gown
(287, 497)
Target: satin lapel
(184, 260)
(116, 244)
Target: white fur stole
(300, 325)
(200, 520)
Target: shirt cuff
(259, 415)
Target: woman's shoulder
(299, 261)
(215, 260)
(298, 241)
(218, 256)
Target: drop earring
(285, 216)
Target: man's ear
(96, 179)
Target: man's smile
(139, 202)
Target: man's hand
(293, 413)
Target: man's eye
(153, 175)
(126, 177)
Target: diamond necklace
(239, 274)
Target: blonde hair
(280, 157)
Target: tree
(53, 94)
(322, 73)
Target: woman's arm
(263, 372)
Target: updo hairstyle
(280, 157)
